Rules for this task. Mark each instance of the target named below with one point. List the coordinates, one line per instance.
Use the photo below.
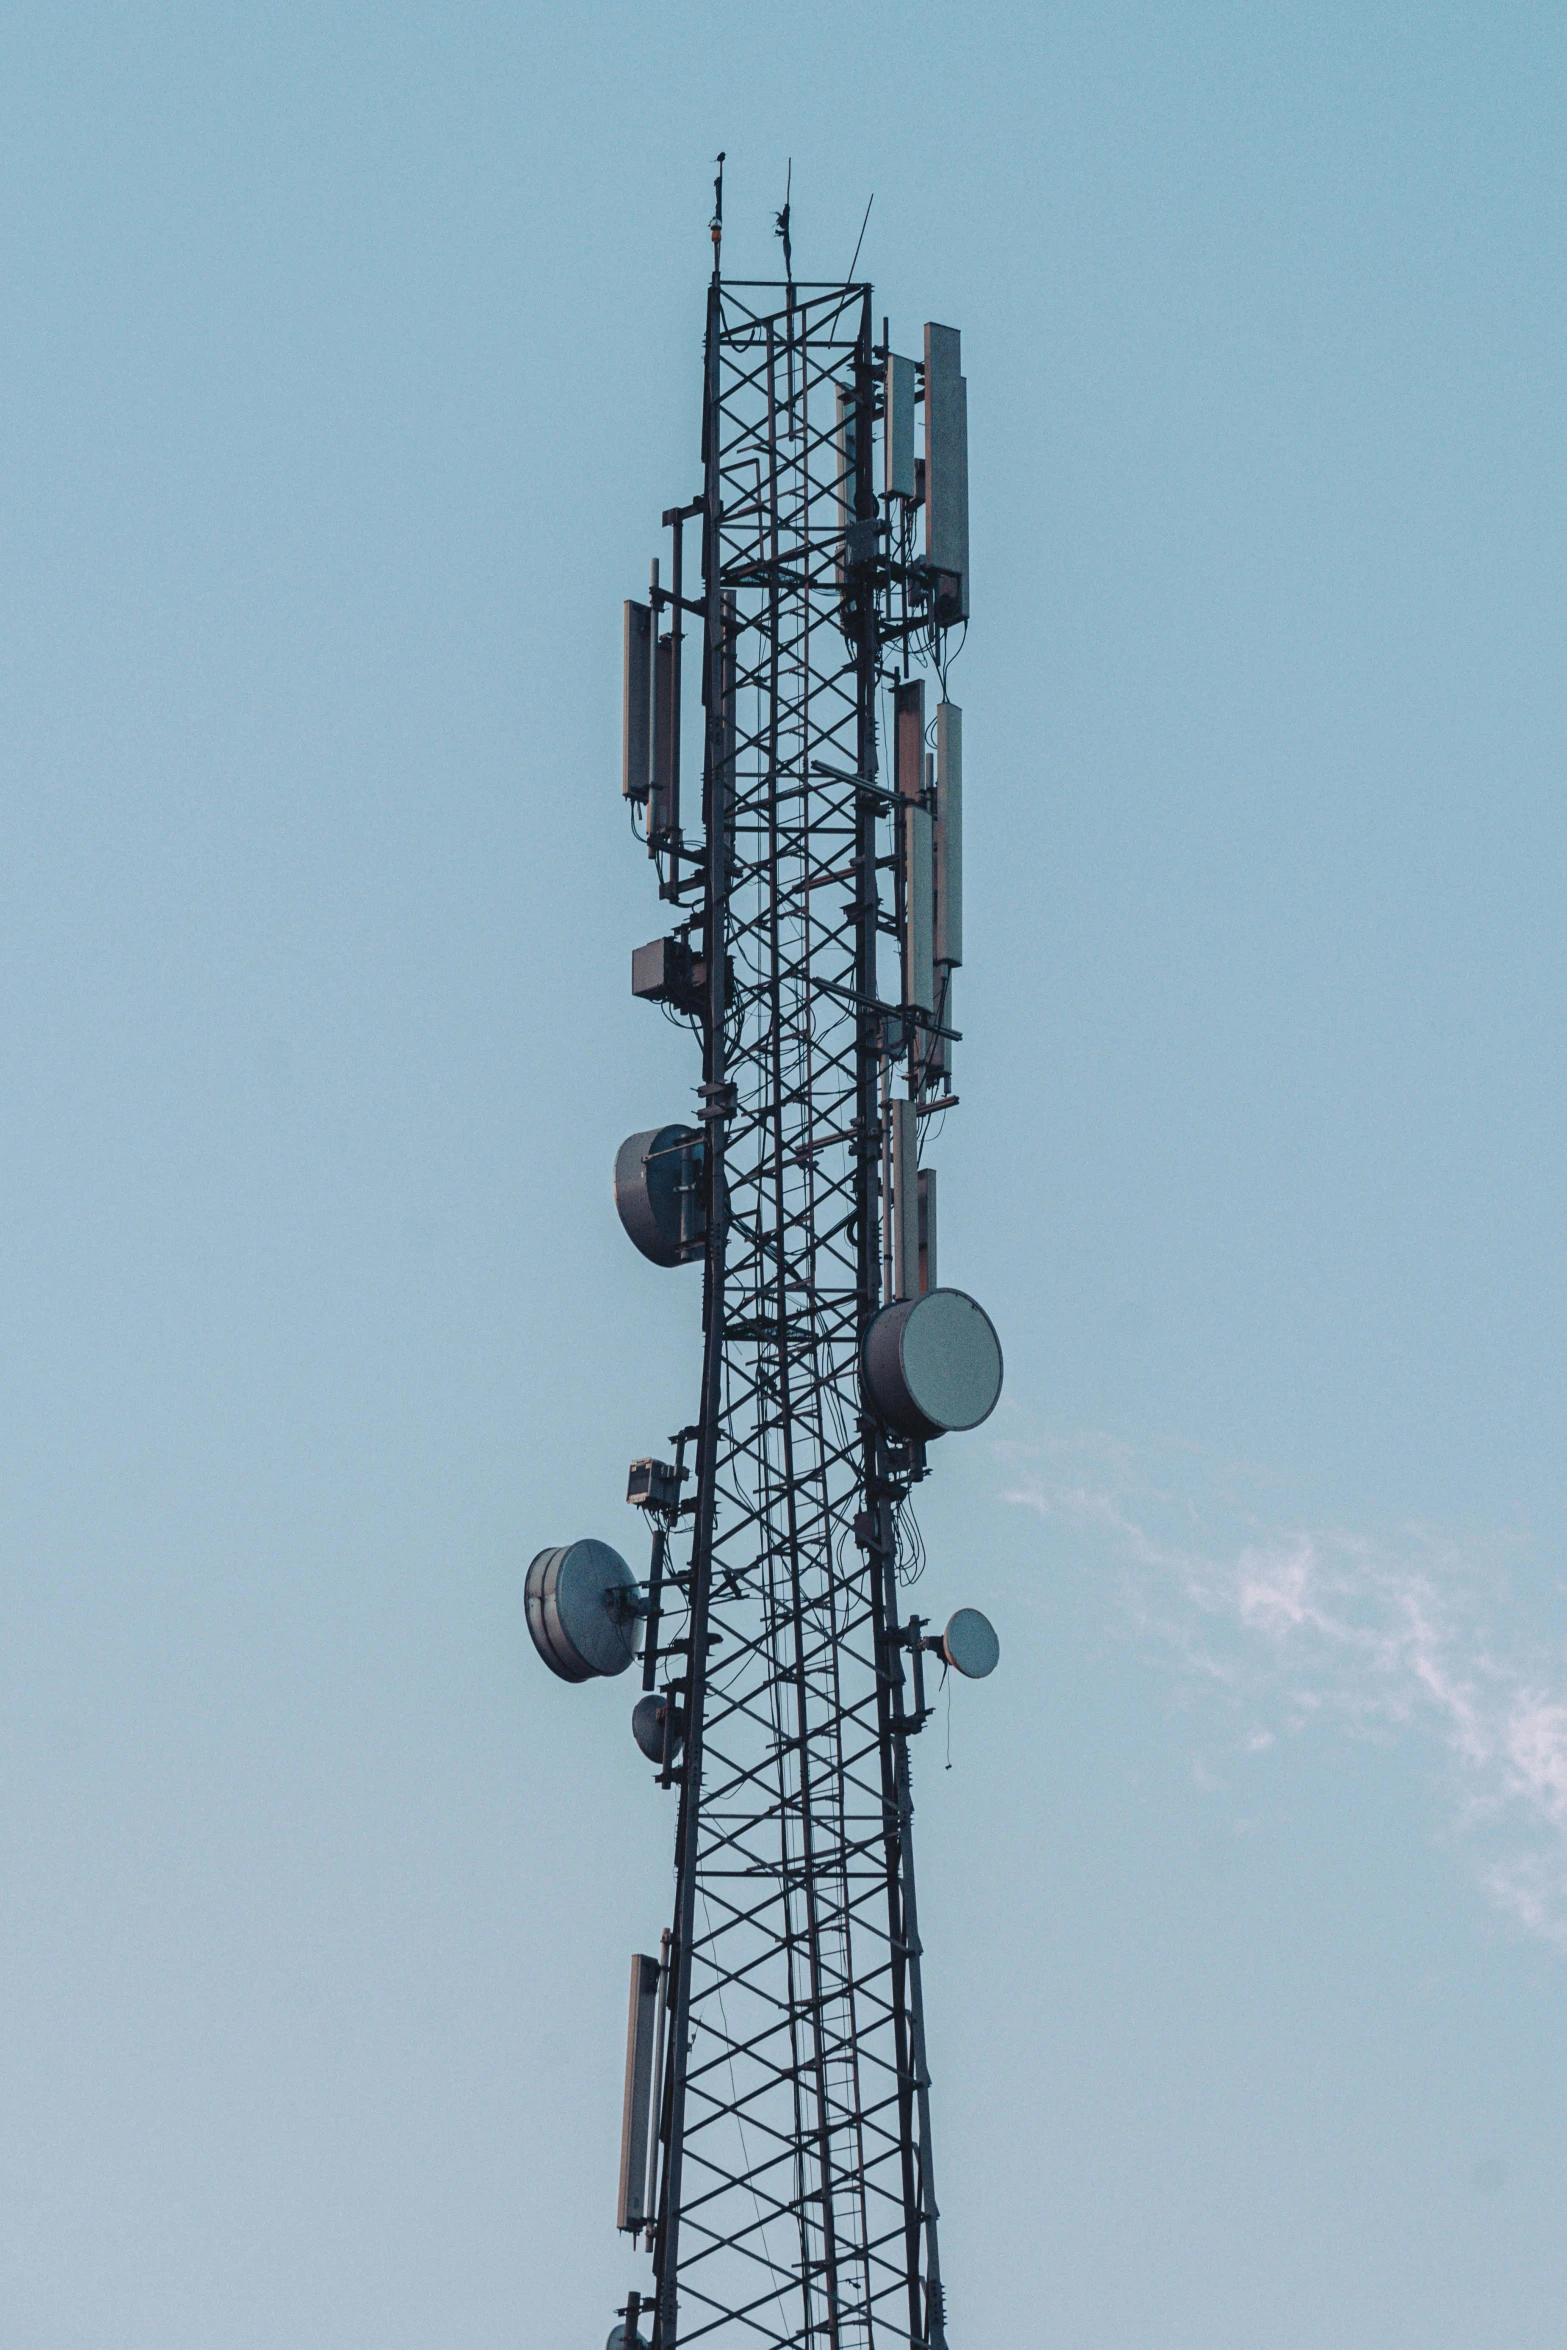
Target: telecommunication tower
(776, 2156)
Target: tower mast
(777, 2159)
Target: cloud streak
(1283, 1627)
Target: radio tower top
(776, 2158)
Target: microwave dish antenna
(969, 1644)
(660, 1195)
(933, 1364)
(584, 1610)
(658, 1726)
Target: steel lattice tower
(794, 2196)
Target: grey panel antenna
(927, 1231)
(641, 2031)
(938, 1058)
(898, 444)
(847, 417)
(949, 834)
(919, 974)
(904, 1124)
(844, 442)
(665, 733)
(637, 713)
(946, 472)
(932, 1364)
(908, 739)
(584, 1610)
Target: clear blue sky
(348, 358)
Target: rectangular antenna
(919, 963)
(637, 713)
(938, 1061)
(908, 738)
(905, 1197)
(655, 2113)
(898, 434)
(949, 835)
(666, 740)
(641, 2031)
(844, 443)
(927, 1230)
(908, 771)
(946, 472)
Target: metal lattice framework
(796, 2201)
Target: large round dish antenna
(969, 1644)
(658, 1193)
(584, 1610)
(933, 1364)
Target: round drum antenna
(933, 1363)
(651, 1725)
(658, 1193)
(584, 1610)
(969, 1644)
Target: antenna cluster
(801, 803)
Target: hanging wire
(910, 1543)
(941, 659)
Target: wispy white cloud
(1286, 1626)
